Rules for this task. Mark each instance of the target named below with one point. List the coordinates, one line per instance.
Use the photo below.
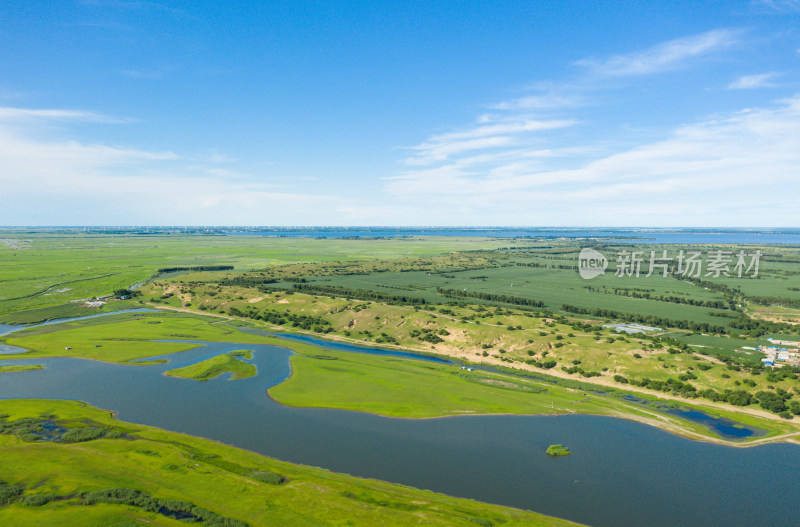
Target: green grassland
(229, 482)
(216, 366)
(126, 336)
(70, 310)
(397, 387)
(410, 388)
(52, 268)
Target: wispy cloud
(535, 157)
(21, 114)
(778, 6)
(703, 172)
(67, 181)
(481, 138)
(139, 74)
(749, 82)
(664, 57)
(548, 101)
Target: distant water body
(625, 235)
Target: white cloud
(547, 101)
(779, 6)
(748, 82)
(481, 138)
(663, 57)
(64, 181)
(8, 114)
(740, 169)
(139, 74)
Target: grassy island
(20, 367)
(558, 450)
(216, 366)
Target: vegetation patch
(216, 366)
(269, 477)
(48, 428)
(20, 367)
(558, 450)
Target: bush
(9, 493)
(269, 477)
(558, 450)
(36, 500)
(77, 435)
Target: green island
(558, 450)
(20, 367)
(216, 366)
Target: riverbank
(126, 337)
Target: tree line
(196, 268)
(361, 294)
(491, 297)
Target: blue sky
(584, 113)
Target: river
(621, 473)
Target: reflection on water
(724, 427)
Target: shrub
(558, 450)
(269, 477)
(36, 500)
(9, 493)
(77, 435)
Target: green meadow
(397, 387)
(53, 268)
(126, 336)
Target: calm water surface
(630, 234)
(621, 473)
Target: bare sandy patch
(256, 299)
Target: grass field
(50, 268)
(124, 337)
(216, 366)
(224, 480)
(397, 387)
